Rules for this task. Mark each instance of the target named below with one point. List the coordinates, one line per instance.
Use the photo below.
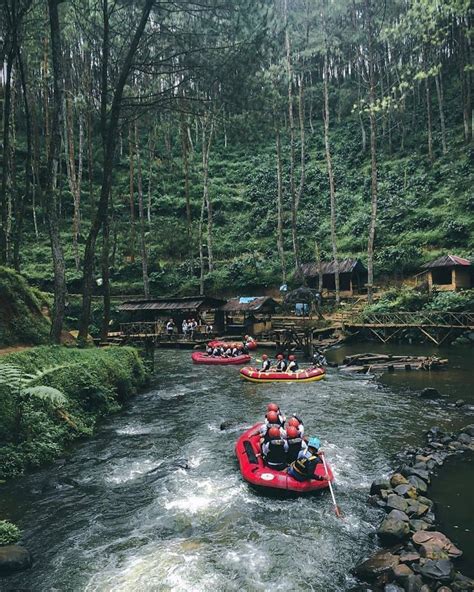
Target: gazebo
(249, 314)
(447, 273)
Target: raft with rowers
(285, 370)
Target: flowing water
(155, 500)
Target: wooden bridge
(437, 326)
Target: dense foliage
(36, 429)
(9, 533)
(21, 318)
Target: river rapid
(155, 501)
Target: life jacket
(266, 365)
(305, 466)
(276, 453)
(281, 366)
(294, 447)
(293, 366)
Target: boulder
(436, 539)
(405, 490)
(432, 551)
(417, 509)
(430, 393)
(409, 556)
(444, 589)
(462, 582)
(418, 483)
(396, 502)
(378, 485)
(469, 430)
(398, 515)
(413, 583)
(398, 479)
(464, 439)
(459, 403)
(441, 569)
(425, 500)
(393, 530)
(402, 572)
(417, 525)
(423, 474)
(375, 566)
(14, 558)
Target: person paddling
(275, 449)
(266, 364)
(293, 364)
(296, 444)
(296, 422)
(304, 466)
(281, 363)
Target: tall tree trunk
(21, 200)
(106, 292)
(207, 132)
(131, 159)
(280, 242)
(5, 228)
(201, 250)
(429, 118)
(141, 217)
(151, 158)
(185, 153)
(52, 168)
(332, 189)
(291, 124)
(110, 135)
(465, 76)
(440, 95)
(373, 153)
(299, 193)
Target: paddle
(336, 507)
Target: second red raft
(308, 375)
(257, 473)
(203, 358)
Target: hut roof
(328, 267)
(447, 261)
(187, 303)
(302, 294)
(250, 304)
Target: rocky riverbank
(416, 557)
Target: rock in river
(430, 393)
(14, 558)
(398, 479)
(378, 485)
(418, 483)
(378, 564)
(396, 502)
(392, 530)
(441, 569)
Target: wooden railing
(155, 329)
(411, 319)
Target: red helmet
(291, 358)
(274, 433)
(292, 432)
(293, 422)
(272, 417)
(264, 357)
(273, 407)
(280, 357)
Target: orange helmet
(264, 357)
(280, 357)
(272, 407)
(272, 417)
(293, 422)
(292, 432)
(291, 358)
(274, 433)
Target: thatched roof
(302, 294)
(447, 261)
(328, 267)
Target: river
(155, 501)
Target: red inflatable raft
(255, 471)
(309, 375)
(203, 358)
(251, 345)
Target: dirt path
(13, 349)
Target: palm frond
(10, 376)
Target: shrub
(9, 533)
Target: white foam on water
(127, 472)
(200, 496)
(134, 430)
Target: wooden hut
(352, 276)
(447, 273)
(157, 311)
(250, 314)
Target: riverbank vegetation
(278, 133)
(51, 396)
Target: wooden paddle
(336, 507)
